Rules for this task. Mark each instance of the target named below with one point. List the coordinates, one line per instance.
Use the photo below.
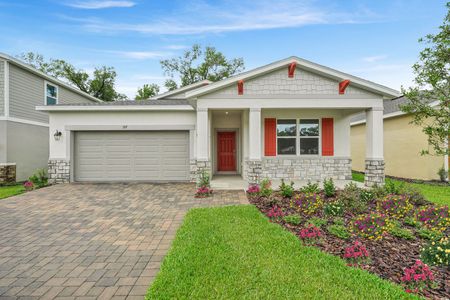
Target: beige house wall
(402, 145)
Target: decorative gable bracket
(343, 85)
(291, 69)
(240, 86)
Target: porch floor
(236, 182)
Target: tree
(147, 91)
(432, 86)
(197, 64)
(101, 85)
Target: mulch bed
(388, 256)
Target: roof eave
(75, 108)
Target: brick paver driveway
(91, 241)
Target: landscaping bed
(393, 224)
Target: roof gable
(275, 77)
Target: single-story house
(24, 130)
(403, 143)
(289, 119)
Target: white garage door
(131, 156)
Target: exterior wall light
(57, 135)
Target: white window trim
(45, 91)
(297, 138)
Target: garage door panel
(131, 156)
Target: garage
(131, 156)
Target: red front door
(226, 151)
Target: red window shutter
(327, 137)
(270, 137)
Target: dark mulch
(388, 256)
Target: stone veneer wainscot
(374, 172)
(7, 173)
(58, 171)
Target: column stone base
(374, 172)
(253, 171)
(7, 173)
(198, 167)
(58, 171)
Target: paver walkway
(92, 241)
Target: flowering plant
(396, 206)
(308, 203)
(356, 254)
(203, 192)
(437, 252)
(253, 190)
(310, 235)
(275, 213)
(372, 226)
(28, 185)
(435, 218)
(417, 277)
(266, 187)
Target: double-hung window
(287, 137)
(51, 94)
(309, 136)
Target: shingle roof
(390, 106)
(131, 102)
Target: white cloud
(374, 58)
(176, 47)
(98, 4)
(202, 18)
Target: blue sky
(376, 40)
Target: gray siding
(2, 88)
(26, 91)
(27, 146)
(3, 146)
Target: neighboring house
(403, 143)
(23, 130)
(289, 119)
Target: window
(51, 94)
(287, 137)
(309, 136)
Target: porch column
(254, 162)
(374, 171)
(203, 162)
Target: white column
(254, 122)
(374, 134)
(202, 134)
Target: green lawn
(439, 194)
(235, 253)
(8, 191)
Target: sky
(375, 40)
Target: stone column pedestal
(58, 171)
(198, 167)
(374, 172)
(253, 171)
(7, 173)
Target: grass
(439, 194)
(235, 253)
(11, 190)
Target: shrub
(253, 190)
(292, 219)
(310, 188)
(372, 226)
(391, 187)
(308, 203)
(442, 174)
(310, 235)
(378, 191)
(39, 178)
(28, 185)
(396, 206)
(335, 208)
(203, 192)
(328, 187)
(275, 213)
(428, 234)
(338, 231)
(266, 188)
(318, 222)
(417, 277)
(356, 254)
(287, 190)
(437, 253)
(434, 218)
(402, 233)
(414, 195)
(366, 195)
(350, 198)
(338, 221)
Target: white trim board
(6, 89)
(114, 108)
(23, 121)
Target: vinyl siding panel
(26, 91)
(2, 88)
